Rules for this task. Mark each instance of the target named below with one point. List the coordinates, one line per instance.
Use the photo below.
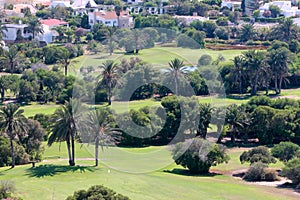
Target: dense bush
(285, 151)
(292, 171)
(259, 172)
(199, 156)
(205, 60)
(257, 154)
(97, 192)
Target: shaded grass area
(56, 180)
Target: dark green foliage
(257, 154)
(200, 155)
(259, 172)
(292, 170)
(97, 192)
(285, 151)
(205, 60)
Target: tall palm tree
(255, 63)
(175, 70)
(109, 77)
(11, 58)
(238, 71)
(12, 121)
(98, 123)
(63, 127)
(118, 11)
(110, 36)
(65, 60)
(35, 27)
(279, 60)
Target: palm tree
(255, 63)
(218, 118)
(12, 121)
(205, 118)
(35, 27)
(287, 30)
(279, 60)
(234, 115)
(110, 36)
(175, 70)
(63, 127)
(61, 30)
(11, 58)
(99, 130)
(109, 77)
(118, 10)
(238, 71)
(247, 32)
(65, 60)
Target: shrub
(285, 151)
(292, 170)
(255, 172)
(97, 192)
(257, 154)
(259, 172)
(200, 155)
(6, 188)
(205, 60)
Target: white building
(133, 2)
(48, 25)
(190, 19)
(286, 8)
(65, 4)
(10, 35)
(110, 18)
(231, 4)
(82, 4)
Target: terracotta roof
(111, 14)
(53, 22)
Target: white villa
(65, 4)
(231, 4)
(110, 18)
(286, 8)
(10, 35)
(48, 25)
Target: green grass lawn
(35, 108)
(157, 56)
(53, 179)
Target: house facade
(48, 26)
(110, 18)
(286, 7)
(10, 35)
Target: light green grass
(54, 180)
(31, 110)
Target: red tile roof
(110, 14)
(53, 22)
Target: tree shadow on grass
(289, 186)
(52, 170)
(185, 172)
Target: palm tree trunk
(12, 152)
(176, 86)
(73, 150)
(2, 94)
(110, 47)
(233, 132)
(276, 84)
(69, 151)
(96, 151)
(66, 70)
(11, 67)
(109, 93)
(280, 84)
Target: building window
(107, 22)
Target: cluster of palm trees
(71, 122)
(259, 69)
